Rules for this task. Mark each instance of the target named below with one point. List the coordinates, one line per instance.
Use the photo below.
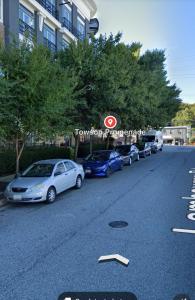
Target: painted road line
(189, 198)
(180, 230)
(121, 259)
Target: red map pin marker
(110, 122)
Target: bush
(192, 140)
(30, 155)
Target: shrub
(30, 155)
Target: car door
(133, 153)
(71, 173)
(112, 161)
(117, 160)
(60, 181)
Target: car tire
(51, 195)
(130, 161)
(138, 158)
(161, 149)
(79, 182)
(108, 172)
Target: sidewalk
(3, 183)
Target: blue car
(102, 163)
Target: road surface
(46, 250)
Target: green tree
(185, 115)
(35, 94)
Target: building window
(80, 28)
(49, 38)
(67, 17)
(26, 22)
(1, 11)
(65, 44)
(50, 6)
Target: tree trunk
(91, 144)
(77, 140)
(19, 151)
(125, 139)
(108, 141)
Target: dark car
(144, 149)
(129, 153)
(102, 163)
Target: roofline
(92, 6)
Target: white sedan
(43, 180)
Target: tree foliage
(43, 94)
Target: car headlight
(37, 188)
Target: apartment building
(54, 23)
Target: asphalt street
(46, 250)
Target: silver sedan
(43, 180)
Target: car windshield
(148, 139)
(39, 170)
(123, 149)
(103, 156)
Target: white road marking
(188, 198)
(117, 257)
(183, 230)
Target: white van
(154, 139)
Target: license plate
(88, 171)
(17, 197)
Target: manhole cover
(118, 224)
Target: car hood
(27, 182)
(94, 164)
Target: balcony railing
(51, 46)
(49, 7)
(68, 25)
(26, 30)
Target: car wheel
(108, 172)
(130, 161)
(161, 149)
(79, 182)
(51, 195)
(137, 157)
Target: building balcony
(26, 30)
(51, 46)
(49, 7)
(68, 25)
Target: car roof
(52, 161)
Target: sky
(157, 24)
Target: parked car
(144, 149)
(154, 139)
(102, 163)
(43, 180)
(129, 153)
